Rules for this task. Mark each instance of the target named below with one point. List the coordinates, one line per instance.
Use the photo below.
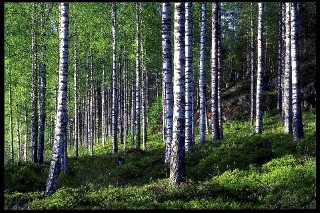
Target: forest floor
(242, 171)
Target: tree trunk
(188, 77)
(167, 79)
(114, 83)
(177, 155)
(133, 107)
(11, 122)
(25, 133)
(125, 92)
(260, 71)
(34, 115)
(296, 99)
(280, 67)
(103, 107)
(252, 104)
(287, 102)
(138, 79)
(61, 119)
(144, 100)
(214, 74)
(92, 106)
(76, 97)
(202, 80)
(18, 135)
(42, 89)
(220, 111)
(283, 56)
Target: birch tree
(220, 111)
(296, 99)
(76, 97)
(138, 79)
(144, 99)
(214, 74)
(251, 67)
(260, 70)
(167, 89)
(26, 132)
(202, 80)
(103, 106)
(42, 116)
(34, 115)
(114, 81)
(61, 120)
(280, 67)
(177, 155)
(287, 102)
(11, 122)
(188, 77)
(18, 134)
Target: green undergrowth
(242, 171)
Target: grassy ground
(243, 171)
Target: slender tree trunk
(167, 80)
(188, 77)
(125, 92)
(138, 78)
(25, 133)
(34, 115)
(280, 68)
(61, 119)
(144, 100)
(133, 107)
(92, 106)
(120, 103)
(260, 71)
(177, 155)
(296, 99)
(108, 113)
(214, 74)
(76, 97)
(202, 80)
(114, 84)
(18, 135)
(11, 122)
(42, 87)
(103, 107)
(252, 103)
(283, 56)
(287, 102)
(220, 111)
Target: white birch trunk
(76, 97)
(287, 101)
(138, 79)
(260, 71)
(34, 115)
(167, 79)
(252, 104)
(188, 77)
(114, 84)
(296, 99)
(25, 154)
(202, 80)
(60, 127)
(177, 155)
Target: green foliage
(25, 177)
(241, 172)
(155, 112)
